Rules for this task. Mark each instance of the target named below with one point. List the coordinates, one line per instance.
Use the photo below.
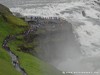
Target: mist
(59, 47)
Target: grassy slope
(32, 65)
(6, 67)
(15, 20)
(6, 28)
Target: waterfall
(79, 49)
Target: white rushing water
(86, 28)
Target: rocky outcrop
(83, 13)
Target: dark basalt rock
(83, 13)
(4, 10)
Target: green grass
(10, 18)
(7, 28)
(14, 20)
(6, 67)
(31, 64)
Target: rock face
(83, 13)
(56, 41)
(4, 10)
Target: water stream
(14, 57)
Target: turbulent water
(29, 3)
(85, 28)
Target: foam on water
(46, 11)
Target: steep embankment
(7, 28)
(11, 25)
